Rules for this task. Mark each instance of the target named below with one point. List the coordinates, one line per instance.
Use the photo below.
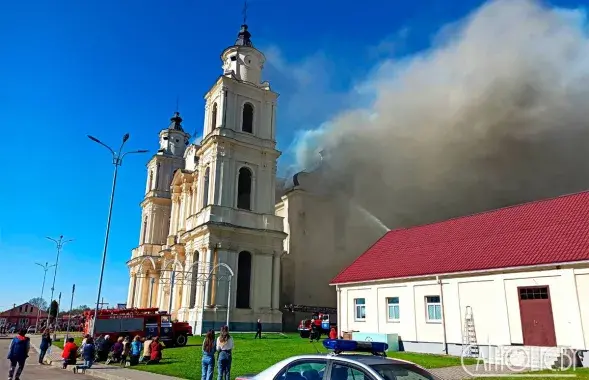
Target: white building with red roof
(521, 273)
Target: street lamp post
(117, 160)
(59, 245)
(45, 269)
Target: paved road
(33, 370)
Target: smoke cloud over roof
(495, 113)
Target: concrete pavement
(99, 370)
(33, 370)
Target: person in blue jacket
(18, 352)
(45, 344)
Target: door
(536, 316)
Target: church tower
(235, 224)
(156, 205)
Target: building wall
(494, 301)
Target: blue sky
(108, 67)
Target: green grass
(61, 342)
(578, 373)
(252, 356)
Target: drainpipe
(339, 312)
(443, 314)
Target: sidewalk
(101, 371)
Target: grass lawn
(252, 356)
(61, 342)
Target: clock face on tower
(248, 60)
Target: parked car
(345, 363)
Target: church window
(244, 189)
(247, 122)
(144, 233)
(214, 117)
(244, 274)
(205, 194)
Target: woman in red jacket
(156, 351)
(70, 353)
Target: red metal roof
(549, 231)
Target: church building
(210, 240)
(214, 245)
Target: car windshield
(397, 371)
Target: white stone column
(207, 269)
(276, 281)
(187, 282)
(139, 292)
(130, 290)
(222, 279)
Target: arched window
(244, 189)
(205, 194)
(144, 232)
(214, 117)
(247, 122)
(194, 279)
(244, 274)
(150, 180)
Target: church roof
(176, 122)
(543, 232)
(243, 37)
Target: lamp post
(117, 160)
(59, 243)
(45, 269)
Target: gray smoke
(496, 113)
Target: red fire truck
(324, 317)
(142, 322)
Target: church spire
(243, 37)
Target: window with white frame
(433, 307)
(359, 309)
(393, 312)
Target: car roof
(365, 359)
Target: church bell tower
(237, 178)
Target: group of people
(223, 345)
(123, 351)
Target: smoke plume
(495, 113)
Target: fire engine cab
(324, 318)
(142, 322)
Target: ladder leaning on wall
(470, 347)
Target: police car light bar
(342, 345)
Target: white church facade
(214, 241)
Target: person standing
(208, 356)
(18, 352)
(225, 347)
(44, 346)
(259, 329)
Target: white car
(345, 366)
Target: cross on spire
(244, 12)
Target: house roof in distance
(554, 230)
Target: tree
(75, 311)
(39, 303)
(53, 309)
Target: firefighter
(315, 327)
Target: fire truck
(142, 322)
(325, 318)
